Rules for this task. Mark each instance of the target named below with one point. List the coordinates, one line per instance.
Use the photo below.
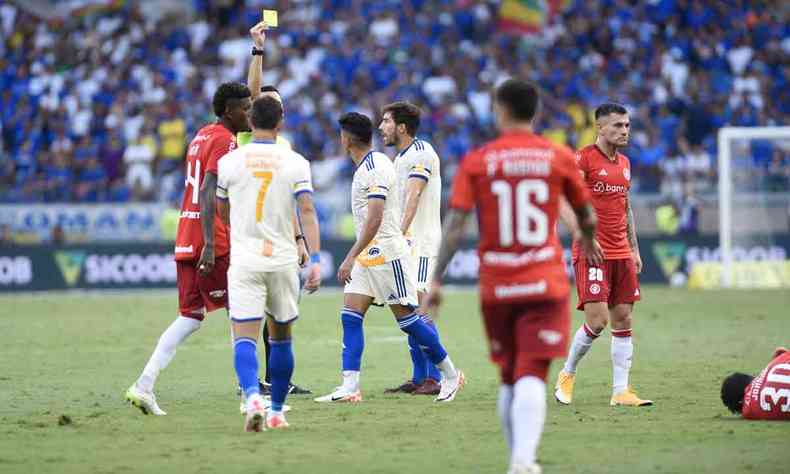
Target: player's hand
(304, 256)
(206, 262)
(638, 262)
(431, 301)
(314, 279)
(344, 271)
(258, 33)
(592, 251)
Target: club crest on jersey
(373, 252)
(595, 288)
(627, 174)
(549, 336)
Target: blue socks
(419, 362)
(353, 339)
(245, 360)
(281, 366)
(431, 370)
(425, 335)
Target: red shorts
(613, 282)
(196, 292)
(526, 336)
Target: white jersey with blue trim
(261, 180)
(375, 179)
(420, 161)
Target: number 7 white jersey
(261, 181)
(420, 161)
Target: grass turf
(74, 355)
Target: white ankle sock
(503, 409)
(528, 413)
(165, 349)
(351, 379)
(622, 351)
(580, 345)
(447, 369)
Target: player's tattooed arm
(631, 233)
(452, 233)
(415, 187)
(207, 201)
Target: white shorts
(251, 295)
(424, 270)
(389, 283)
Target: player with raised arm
(765, 397)
(606, 277)
(254, 81)
(420, 192)
(376, 269)
(516, 183)
(257, 188)
(201, 257)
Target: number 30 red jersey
(516, 182)
(768, 396)
(210, 144)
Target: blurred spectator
(689, 213)
(92, 182)
(173, 139)
(139, 159)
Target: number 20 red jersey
(210, 144)
(516, 182)
(768, 396)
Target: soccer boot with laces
(451, 387)
(342, 394)
(628, 398)
(145, 401)
(563, 389)
(255, 420)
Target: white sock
(351, 379)
(527, 415)
(580, 345)
(503, 409)
(447, 369)
(622, 351)
(165, 349)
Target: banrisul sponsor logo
(70, 264)
(670, 256)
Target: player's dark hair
(732, 390)
(520, 98)
(270, 88)
(405, 113)
(226, 94)
(609, 108)
(358, 126)
(266, 113)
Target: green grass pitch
(75, 355)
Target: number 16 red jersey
(210, 144)
(516, 182)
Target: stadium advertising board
(103, 223)
(142, 265)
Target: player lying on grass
(376, 269)
(258, 189)
(765, 397)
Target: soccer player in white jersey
(420, 191)
(376, 269)
(257, 187)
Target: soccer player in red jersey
(765, 397)
(606, 278)
(516, 183)
(201, 267)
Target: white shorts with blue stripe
(389, 283)
(423, 268)
(252, 295)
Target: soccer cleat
(294, 389)
(428, 387)
(451, 387)
(276, 421)
(267, 403)
(256, 414)
(341, 394)
(628, 398)
(145, 401)
(406, 387)
(563, 392)
(533, 468)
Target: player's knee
(621, 320)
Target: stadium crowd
(100, 107)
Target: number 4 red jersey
(516, 182)
(768, 396)
(210, 144)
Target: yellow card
(270, 18)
